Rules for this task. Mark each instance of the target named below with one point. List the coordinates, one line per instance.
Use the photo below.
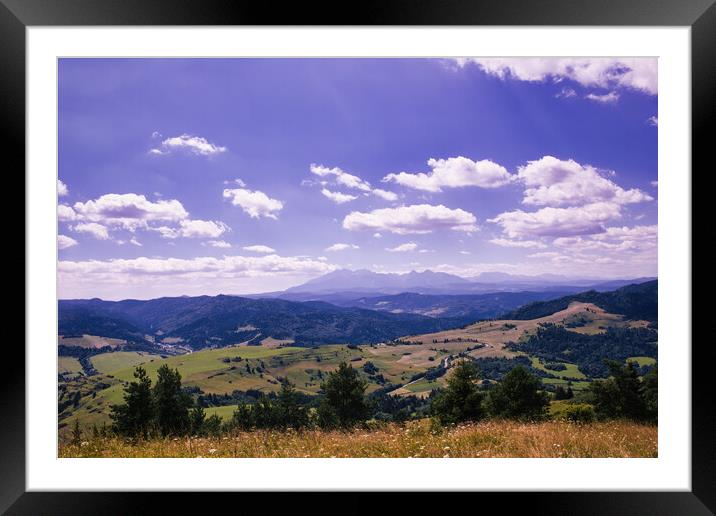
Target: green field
(108, 362)
(642, 361)
(572, 370)
(68, 365)
(225, 412)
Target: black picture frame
(700, 15)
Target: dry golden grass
(415, 439)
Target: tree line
(167, 409)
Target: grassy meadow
(415, 439)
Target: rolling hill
(207, 321)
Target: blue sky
(206, 176)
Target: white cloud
(62, 189)
(653, 120)
(341, 177)
(655, 184)
(192, 144)
(202, 228)
(621, 239)
(578, 220)
(384, 194)
(347, 180)
(526, 244)
(257, 204)
(96, 230)
(341, 247)
(403, 248)
(263, 249)
(338, 197)
(65, 213)
(217, 243)
(554, 182)
(377, 235)
(638, 74)
(129, 210)
(228, 265)
(566, 93)
(134, 241)
(465, 252)
(63, 242)
(418, 218)
(606, 98)
(454, 173)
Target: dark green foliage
(650, 393)
(555, 343)
(560, 393)
(634, 302)
(76, 433)
(462, 399)
(212, 426)
(344, 403)
(495, 368)
(290, 413)
(134, 417)
(518, 396)
(579, 413)
(197, 418)
(171, 402)
(624, 394)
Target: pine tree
(344, 404)
(620, 396)
(461, 400)
(290, 413)
(518, 396)
(197, 418)
(134, 417)
(76, 433)
(172, 403)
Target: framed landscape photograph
(386, 256)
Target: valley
(411, 364)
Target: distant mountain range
(346, 284)
(347, 307)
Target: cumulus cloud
(338, 197)
(62, 189)
(606, 98)
(639, 74)
(263, 249)
(202, 228)
(96, 230)
(341, 247)
(63, 241)
(418, 218)
(454, 173)
(255, 203)
(129, 210)
(347, 180)
(557, 222)
(403, 248)
(526, 244)
(554, 182)
(65, 213)
(186, 142)
(653, 120)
